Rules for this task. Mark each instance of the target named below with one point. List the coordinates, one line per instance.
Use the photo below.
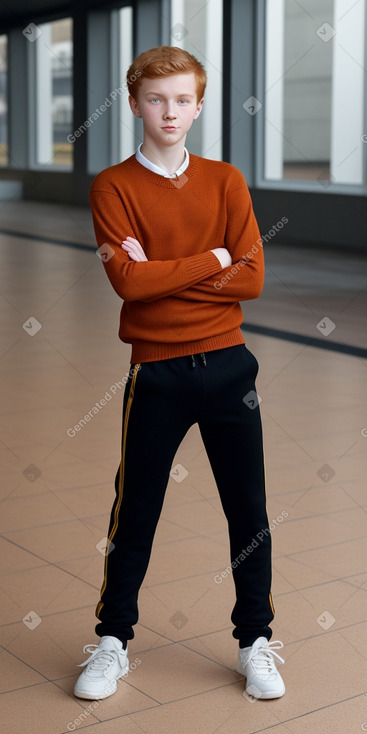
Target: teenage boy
(180, 245)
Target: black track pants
(162, 400)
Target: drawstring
(203, 359)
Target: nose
(169, 111)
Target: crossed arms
(226, 274)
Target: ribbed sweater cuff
(201, 268)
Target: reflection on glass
(197, 27)
(54, 93)
(313, 102)
(307, 90)
(3, 101)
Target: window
(197, 27)
(109, 126)
(3, 101)
(314, 91)
(125, 58)
(53, 94)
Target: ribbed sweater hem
(143, 351)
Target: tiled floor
(57, 492)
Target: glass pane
(197, 27)
(307, 91)
(314, 78)
(3, 101)
(127, 144)
(54, 113)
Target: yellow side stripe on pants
(270, 596)
(121, 482)
(271, 603)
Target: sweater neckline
(156, 178)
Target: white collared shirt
(156, 169)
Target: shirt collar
(156, 169)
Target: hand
(134, 249)
(224, 256)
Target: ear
(199, 107)
(134, 106)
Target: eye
(155, 99)
(185, 101)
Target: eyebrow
(159, 94)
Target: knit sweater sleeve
(244, 279)
(141, 281)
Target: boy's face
(168, 106)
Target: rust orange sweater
(181, 301)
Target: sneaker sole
(267, 695)
(91, 697)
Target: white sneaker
(257, 663)
(107, 663)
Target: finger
(131, 247)
(134, 254)
(135, 247)
(133, 240)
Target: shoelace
(263, 657)
(99, 659)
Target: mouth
(169, 127)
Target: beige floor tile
(173, 672)
(360, 580)
(42, 709)
(280, 583)
(341, 559)
(355, 635)
(315, 500)
(59, 541)
(43, 590)
(88, 569)
(221, 711)
(35, 511)
(87, 501)
(205, 517)
(356, 489)
(299, 575)
(293, 537)
(14, 674)
(126, 700)
(315, 610)
(62, 471)
(287, 478)
(168, 532)
(314, 676)
(55, 647)
(117, 726)
(336, 441)
(354, 518)
(14, 558)
(221, 647)
(346, 717)
(171, 561)
(187, 607)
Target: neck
(170, 159)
